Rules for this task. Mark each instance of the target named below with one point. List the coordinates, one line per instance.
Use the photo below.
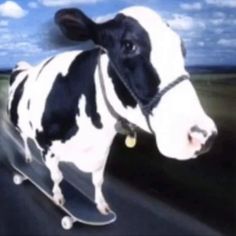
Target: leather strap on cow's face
(145, 108)
(122, 126)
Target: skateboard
(79, 207)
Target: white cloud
(227, 42)
(3, 53)
(217, 22)
(19, 47)
(218, 30)
(201, 44)
(54, 3)
(222, 20)
(33, 4)
(3, 23)
(191, 6)
(219, 14)
(104, 18)
(18, 43)
(222, 3)
(12, 10)
(3, 30)
(6, 37)
(183, 22)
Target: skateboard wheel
(67, 222)
(18, 179)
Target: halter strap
(123, 125)
(147, 109)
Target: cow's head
(149, 55)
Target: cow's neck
(118, 96)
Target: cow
(71, 104)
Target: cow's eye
(129, 47)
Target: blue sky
(208, 27)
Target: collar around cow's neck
(145, 108)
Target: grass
(217, 93)
(3, 93)
(215, 77)
(4, 76)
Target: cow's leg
(52, 162)
(28, 157)
(100, 201)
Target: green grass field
(3, 89)
(217, 93)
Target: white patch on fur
(172, 120)
(87, 149)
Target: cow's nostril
(197, 129)
(197, 136)
(209, 143)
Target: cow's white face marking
(179, 110)
(173, 119)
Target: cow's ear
(75, 25)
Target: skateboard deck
(78, 207)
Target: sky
(208, 27)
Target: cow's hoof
(59, 199)
(104, 208)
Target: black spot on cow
(59, 117)
(30, 124)
(183, 49)
(120, 89)
(13, 75)
(15, 102)
(28, 104)
(43, 66)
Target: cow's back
(44, 98)
(29, 89)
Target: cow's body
(66, 110)
(60, 104)
(85, 138)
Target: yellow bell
(130, 141)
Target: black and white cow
(64, 105)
